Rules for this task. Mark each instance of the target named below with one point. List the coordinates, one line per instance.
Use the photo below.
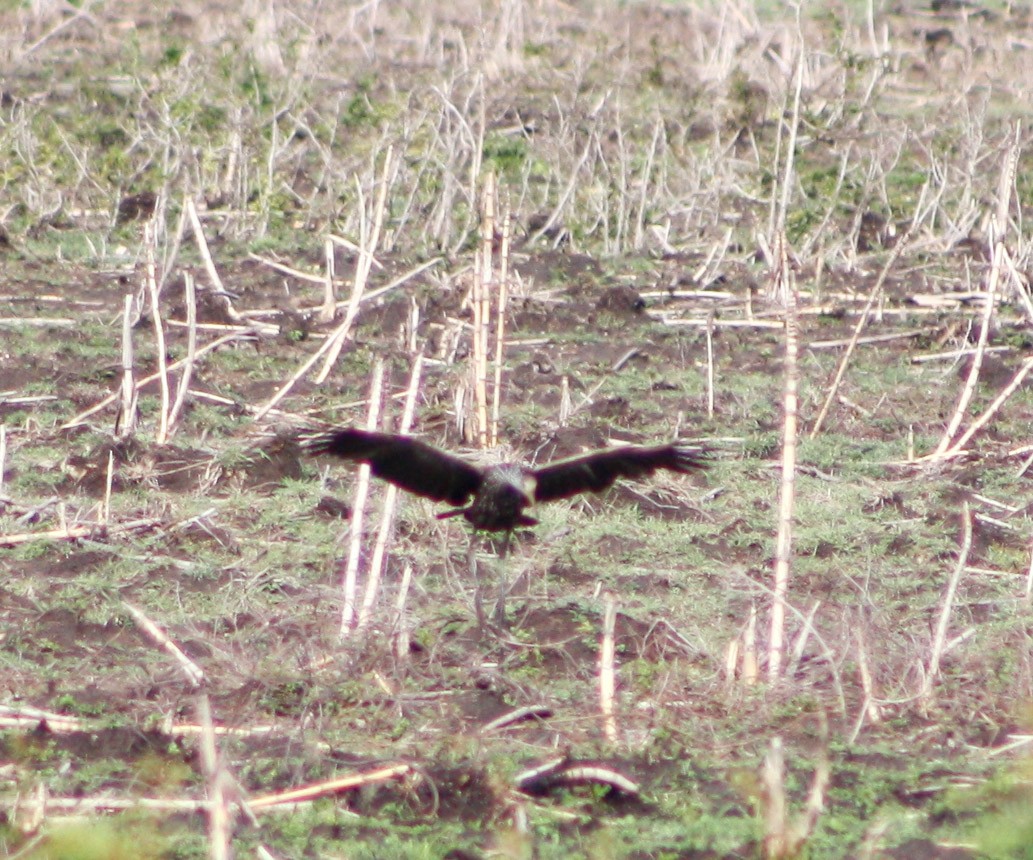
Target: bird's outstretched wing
(406, 462)
(596, 471)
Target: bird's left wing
(596, 471)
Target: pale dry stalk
(308, 364)
(157, 635)
(402, 643)
(637, 236)
(969, 388)
(566, 405)
(776, 829)
(783, 289)
(69, 532)
(329, 306)
(787, 491)
(607, 670)
(220, 819)
(484, 280)
(111, 398)
(172, 247)
(567, 192)
(710, 365)
(940, 636)
(993, 408)
(162, 434)
(871, 707)
(801, 640)
(731, 663)
(500, 324)
(782, 838)
(125, 421)
(387, 517)
(109, 481)
(334, 786)
(804, 826)
(363, 265)
(209, 263)
(1029, 576)
(185, 377)
(351, 567)
(357, 298)
(750, 667)
(863, 319)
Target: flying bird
(494, 498)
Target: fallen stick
(333, 786)
(91, 532)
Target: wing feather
(597, 471)
(405, 462)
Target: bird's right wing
(596, 471)
(405, 462)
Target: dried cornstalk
(782, 838)
(220, 785)
(157, 635)
(783, 290)
(387, 518)
(125, 421)
(749, 671)
(401, 631)
(329, 306)
(162, 434)
(801, 640)
(710, 365)
(479, 351)
(969, 389)
(89, 532)
(109, 480)
(607, 671)
(1029, 576)
(940, 636)
(209, 263)
(992, 409)
(351, 568)
(784, 280)
(219, 781)
(500, 326)
(111, 398)
(862, 320)
(776, 828)
(484, 280)
(871, 707)
(185, 377)
(334, 786)
(368, 246)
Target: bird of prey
(493, 498)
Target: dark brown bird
(499, 493)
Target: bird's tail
(691, 457)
